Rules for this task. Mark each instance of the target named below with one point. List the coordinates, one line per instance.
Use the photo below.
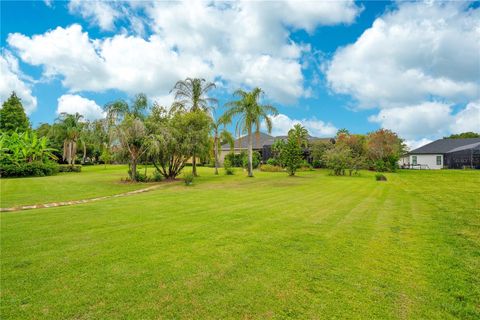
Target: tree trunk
(250, 152)
(133, 170)
(194, 165)
(84, 153)
(216, 155)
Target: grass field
(231, 247)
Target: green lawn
(93, 181)
(231, 247)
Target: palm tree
(119, 109)
(190, 95)
(220, 134)
(251, 114)
(71, 127)
(300, 134)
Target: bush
(69, 168)
(188, 178)
(29, 169)
(236, 160)
(380, 177)
(305, 166)
(317, 164)
(156, 177)
(270, 168)
(255, 160)
(227, 165)
(273, 162)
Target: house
(262, 143)
(444, 153)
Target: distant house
(444, 153)
(262, 143)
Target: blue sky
(412, 67)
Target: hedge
(31, 169)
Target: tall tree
(251, 114)
(133, 137)
(220, 134)
(12, 115)
(70, 127)
(191, 96)
(299, 134)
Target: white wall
(429, 160)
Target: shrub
(317, 164)
(380, 177)
(270, 168)
(29, 169)
(69, 168)
(236, 160)
(305, 166)
(188, 178)
(156, 177)
(255, 160)
(273, 162)
(227, 165)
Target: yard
(311, 247)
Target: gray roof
(263, 139)
(475, 145)
(445, 146)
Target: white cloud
(426, 119)
(281, 124)
(48, 3)
(410, 55)
(414, 144)
(467, 119)
(240, 43)
(13, 80)
(72, 103)
(101, 13)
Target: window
(414, 160)
(439, 160)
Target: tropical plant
(220, 134)
(251, 114)
(70, 128)
(12, 115)
(299, 134)
(191, 95)
(119, 109)
(133, 137)
(24, 147)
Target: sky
(411, 67)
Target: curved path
(72, 202)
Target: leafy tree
(69, 128)
(291, 155)
(250, 113)
(197, 128)
(169, 148)
(133, 138)
(119, 109)
(384, 148)
(220, 134)
(463, 135)
(342, 131)
(317, 150)
(191, 95)
(12, 115)
(338, 159)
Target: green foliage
(273, 162)
(255, 160)
(337, 159)
(251, 114)
(291, 156)
(236, 159)
(12, 115)
(271, 168)
(317, 164)
(69, 168)
(227, 166)
(463, 135)
(157, 176)
(384, 148)
(24, 147)
(317, 150)
(380, 177)
(28, 169)
(188, 178)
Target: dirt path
(72, 202)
